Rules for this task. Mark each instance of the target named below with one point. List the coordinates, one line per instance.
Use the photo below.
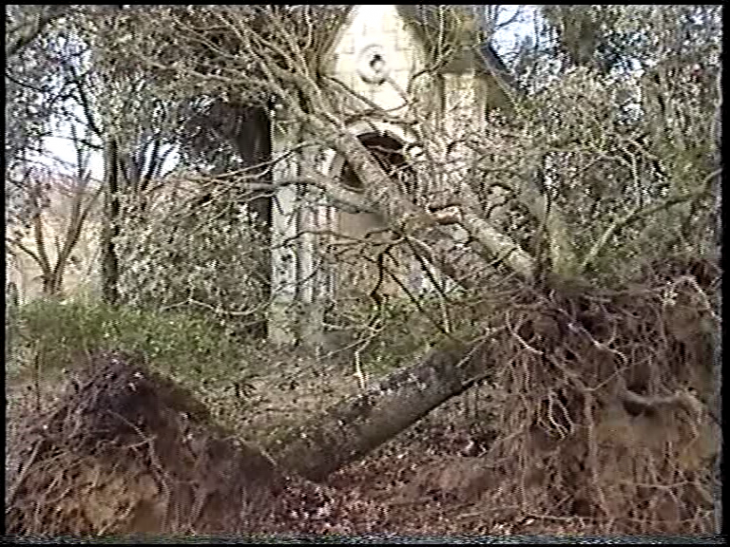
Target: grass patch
(51, 336)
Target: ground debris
(596, 420)
(125, 451)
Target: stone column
(464, 115)
(284, 246)
(465, 97)
(312, 222)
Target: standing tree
(37, 95)
(134, 131)
(73, 193)
(273, 52)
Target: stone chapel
(378, 51)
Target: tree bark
(51, 285)
(253, 143)
(354, 427)
(110, 229)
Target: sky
(506, 39)
(61, 152)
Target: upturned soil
(117, 449)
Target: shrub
(392, 335)
(198, 253)
(55, 335)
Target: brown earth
(120, 450)
(162, 467)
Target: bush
(198, 253)
(399, 331)
(54, 335)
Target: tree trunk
(52, 284)
(110, 229)
(253, 143)
(354, 427)
(12, 302)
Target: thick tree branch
(38, 233)
(17, 243)
(499, 245)
(76, 222)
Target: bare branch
(642, 212)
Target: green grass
(49, 336)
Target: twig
(638, 213)
(118, 519)
(23, 474)
(682, 399)
(512, 331)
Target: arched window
(389, 153)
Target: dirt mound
(598, 421)
(125, 451)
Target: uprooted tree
(598, 174)
(600, 161)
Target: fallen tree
(599, 439)
(124, 451)
(598, 428)
(356, 426)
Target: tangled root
(606, 423)
(125, 451)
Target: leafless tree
(51, 247)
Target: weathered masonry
(380, 53)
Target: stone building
(383, 53)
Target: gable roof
(425, 17)
(475, 45)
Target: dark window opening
(377, 62)
(389, 153)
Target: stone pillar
(464, 114)
(328, 218)
(312, 222)
(465, 98)
(300, 214)
(284, 245)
